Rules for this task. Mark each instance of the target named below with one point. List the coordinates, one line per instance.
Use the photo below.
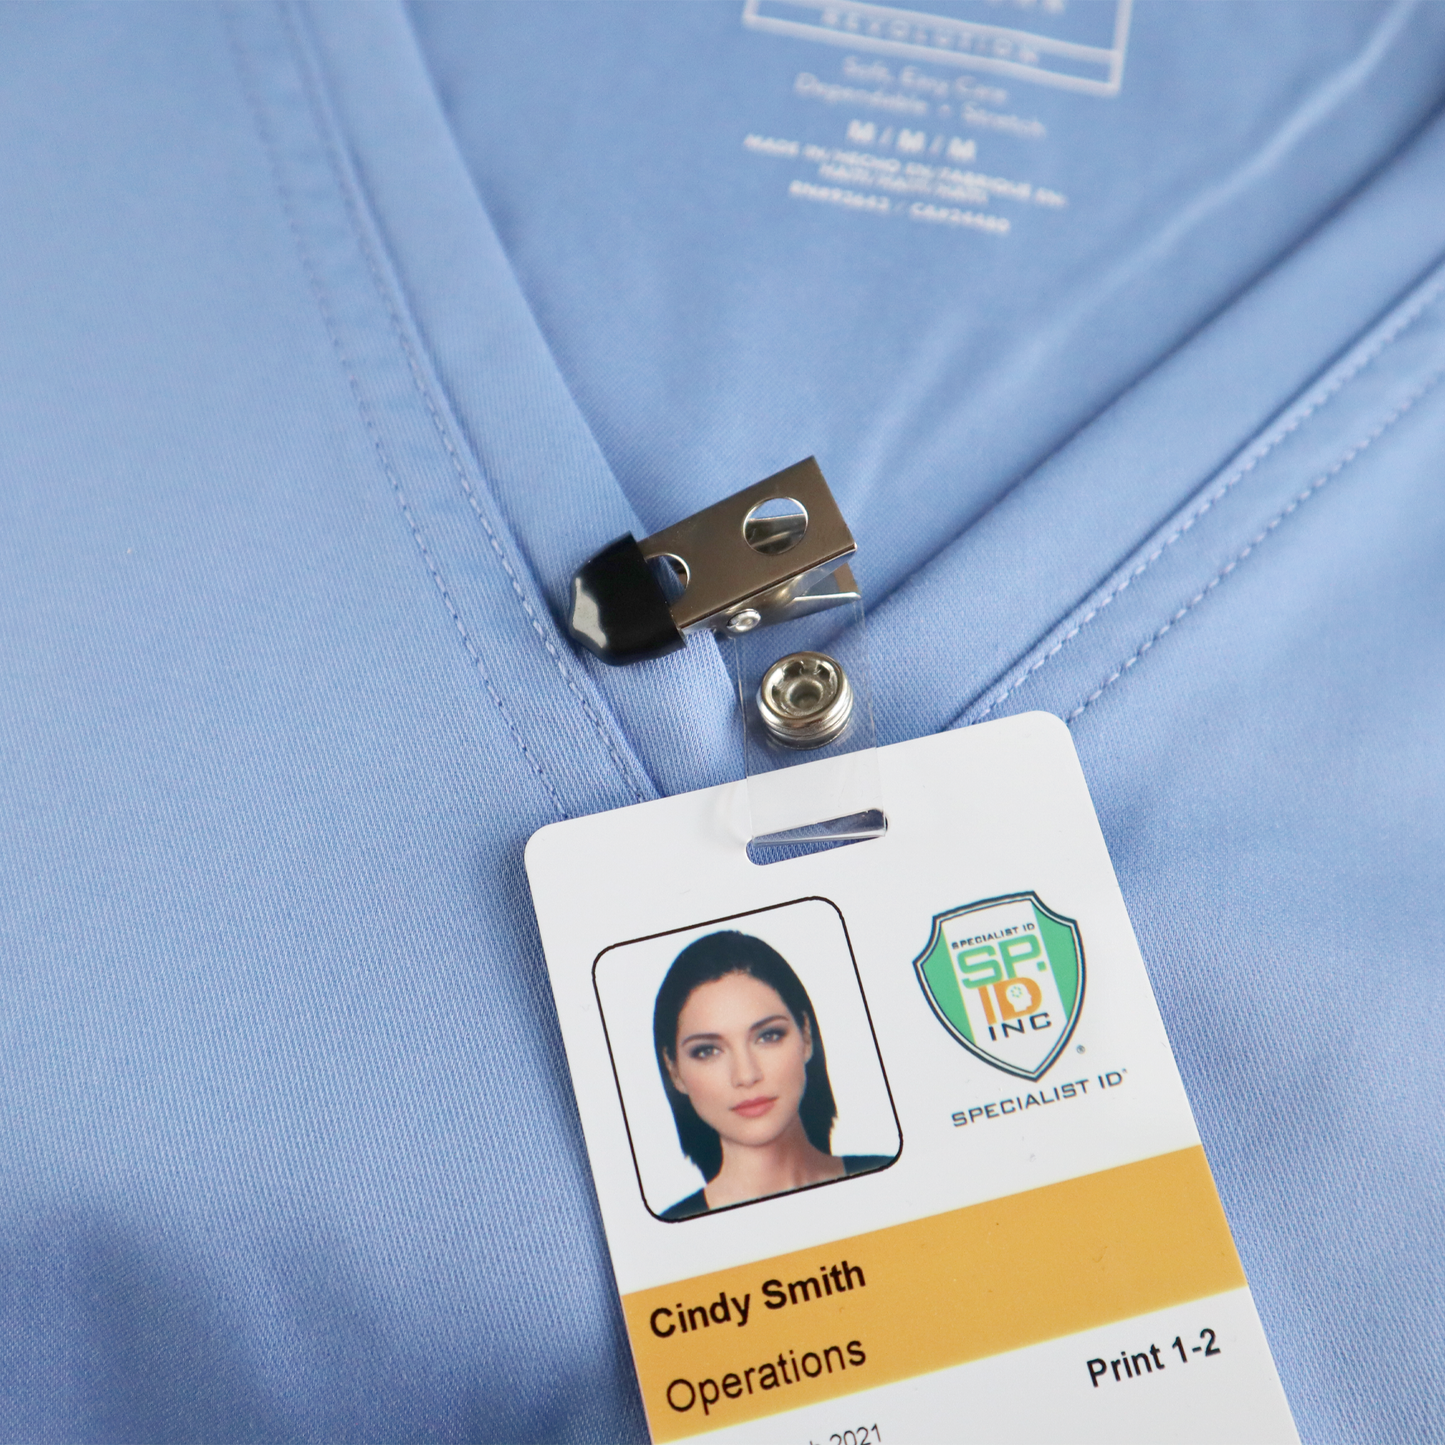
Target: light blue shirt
(335, 337)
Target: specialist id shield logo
(1006, 978)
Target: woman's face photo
(721, 1040)
(741, 1059)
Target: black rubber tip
(619, 610)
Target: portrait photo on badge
(745, 1059)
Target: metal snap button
(805, 699)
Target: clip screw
(805, 699)
(744, 621)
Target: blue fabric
(336, 335)
(711, 325)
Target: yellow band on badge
(747, 1342)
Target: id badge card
(888, 1139)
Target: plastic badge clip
(768, 560)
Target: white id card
(889, 1141)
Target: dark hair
(704, 961)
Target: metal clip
(741, 563)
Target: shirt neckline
(959, 629)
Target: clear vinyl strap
(809, 737)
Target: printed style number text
(1207, 1348)
(1136, 1364)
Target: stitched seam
(1432, 380)
(318, 292)
(1237, 473)
(400, 331)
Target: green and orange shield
(1006, 978)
